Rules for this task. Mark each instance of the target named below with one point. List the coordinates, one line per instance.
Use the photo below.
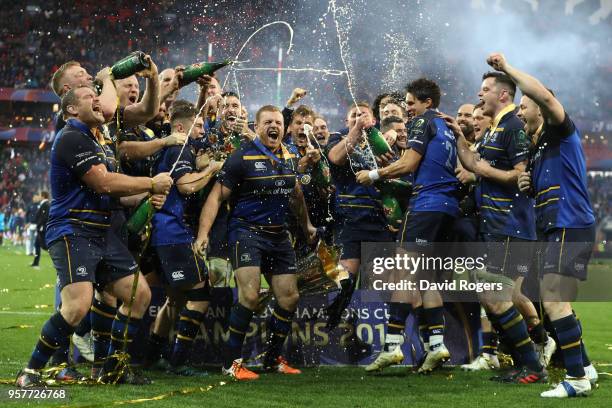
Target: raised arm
(148, 107)
(551, 108)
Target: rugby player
(182, 270)
(564, 217)
(431, 158)
(260, 180)
(83, 186)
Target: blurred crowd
(23, 173)
(36, 38)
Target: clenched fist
(161, 183)
(497, 61)
(174, 139)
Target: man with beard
(394, 130)
(83, 185)
(260, 178)
(465, 119)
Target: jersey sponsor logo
(178, 275)
(246, 257)
(81, 271)
(260, 166)
(279, 183)
(579, 267)
(420, 241)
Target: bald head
(465, 119)
(165, 78)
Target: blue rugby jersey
(558, 173)
(356, 204)
(260, 188)
(176, 222)
(74, 206)
(504, 210)
(435, 185)
(142, 167)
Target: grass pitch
(26, 301)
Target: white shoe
(386, 358)
(84, 344)
(482, 362)
(570, 387)
(434, 359)
(546, 351)
(591, 373)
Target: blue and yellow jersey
(142, 167)
(434, 183)
(504, 210)
(176, 222)
(261, 187)
(74, 206)
(356, 204)
(558, 173)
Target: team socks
(55, 334)
(280, 326)
(569, 335)
(102, 317)
(239, 321)
(515, 330)
(188, 327)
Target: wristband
(373, 174)
(152, 185)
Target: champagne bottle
(128, 66)
(392, 210)
(194, 71)
(377, 142)
(321, 174)
(141, 216)
(395, 188)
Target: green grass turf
(26, 296)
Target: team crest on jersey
(81, 271)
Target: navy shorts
(509, 256)
(421, 228)
(567, 251)
(82, 258)
(350, 238)
(178, 265)
(271, 252)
